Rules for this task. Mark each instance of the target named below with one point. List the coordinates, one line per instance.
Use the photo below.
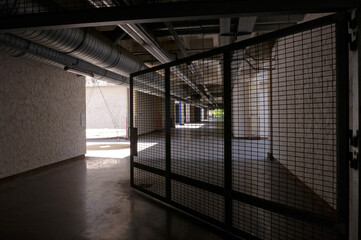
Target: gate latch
(133, 135)
(354, 150)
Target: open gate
(259, 147)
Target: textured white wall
(98, 114)
(40, 115)
(149, 112)
(250, 104)
(304, 108)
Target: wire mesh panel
(149, 181)
(284, 122)
(304, 114)
(202, 201)
(197, 148)
(250, 137)
(265, 224)
(149, 120)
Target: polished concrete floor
(88, 199)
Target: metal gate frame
(340, 223)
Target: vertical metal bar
(131, 125)
(358, 16)
(168, 126)
(227, 99)
(270, 108)
(342, 121)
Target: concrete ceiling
(185, 38)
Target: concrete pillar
(188, 113)
(173, 112)
(181, 112)
(205, 115)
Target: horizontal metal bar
(199, 184)
(165, 12)
(248, 199)
(190, 181)
(248, 42)
(196, 217)
(152, 194)
(149, 169)
(285, 210)
(215, 30)
(212, 221)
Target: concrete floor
(88, 199)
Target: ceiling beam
(224, 31)
(215, 30)
(284, 18)
(163, 12)
(176, 38)
(245, 24)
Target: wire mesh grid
(197, 148)
(284, 120)
(149, 119)
(149, 181)
(283, 136)
(266, 225)
(202, 201)
(19, 7)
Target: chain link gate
(270, 162)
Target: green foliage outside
(218, 113)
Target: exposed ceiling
(155, 36)
(185, 38)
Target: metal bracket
(353, 27)
(353, 158)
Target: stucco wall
(40, 115)
(250, 104)
(304, 108)
(110, 111)
(149, 112)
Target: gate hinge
(353, 27)
(353, 147)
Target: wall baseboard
(40, 169)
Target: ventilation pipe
(88, 45)
(18, 47)
(96, 49)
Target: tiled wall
(40, 115)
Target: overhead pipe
(144, 38)
(88, 45)
(140, 35)
(18, 47)
(96, 50)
